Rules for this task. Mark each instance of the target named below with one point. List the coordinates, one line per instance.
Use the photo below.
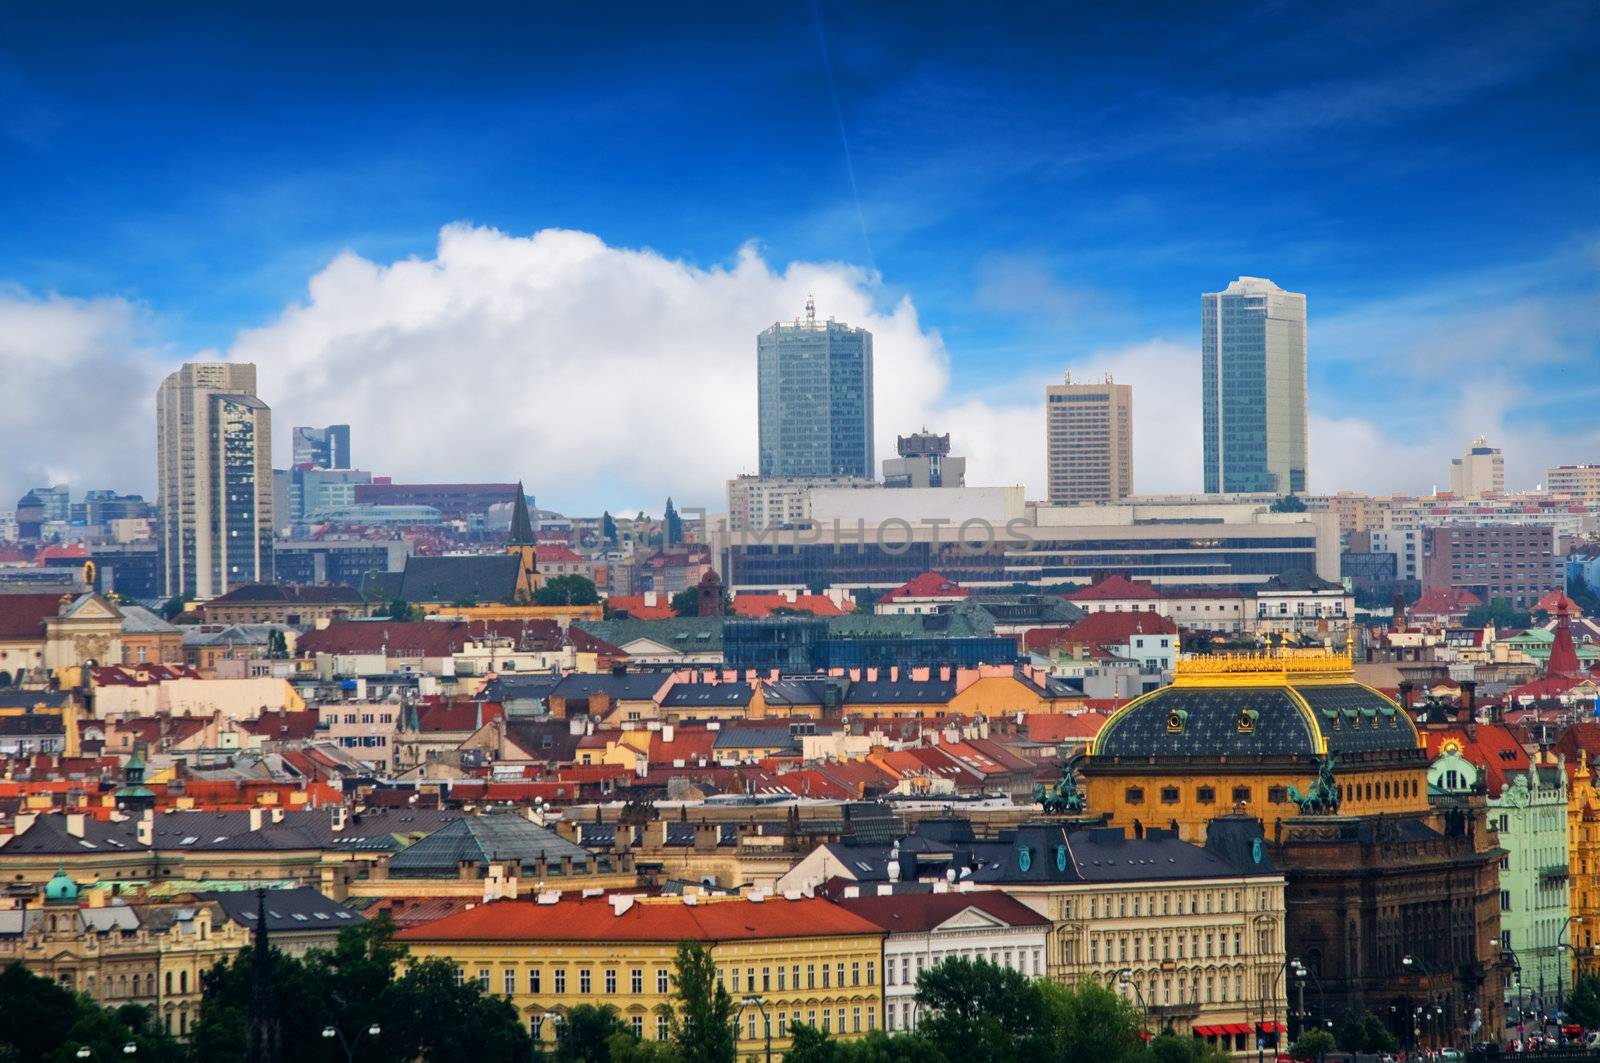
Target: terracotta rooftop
(669, 921)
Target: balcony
(1553, 872)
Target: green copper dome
(60, 889)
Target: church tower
(522, 545)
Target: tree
(672, 525)
(702, 1026)
(567, 590)
(686, 602)
(1288, 504)
(171, 607)
(995, 1014)
(1089, 1020)
(1312, 1045)
(626, 1048)
(400, 609)
(810, 1045)
(1168, 1047)
(423, 1014)
(1362, 1031)
(608, 527)
(1583, 1005)
(41, 1020)
(1498, 613)
(866, 600)
(585, 1034)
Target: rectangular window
(636, 980)
(736, 990)
(661, 980)
(584, 986)
(811, 976)
(611, 979)
(855, 973)
(561, 980)
(855, 1020)
(511, 981)
(533, 980)
(825, 976)
(766, 979)
(636, 1023)
(782, 972)
(483, 979)
(827, 1021)
(661, 1027)
(872, 973)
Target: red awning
(1271, 1026)
(1237, 1027)
(1207, 1031)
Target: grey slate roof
(709, 695)
(482, 839)
(300, 909)
(137, 620)
(484, 578)
(687, 634)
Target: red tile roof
(669, 921)
(1552, 602)
(283, 726)
(1489, 746)
(22, 616)
(906, 913)
(558, 554)
(1444, 601)
(457, 715)
(633, 605)
(1058, 727)
(927, 585)
(766, 604)
(1113, 588)
(423, 638)
(1105, 629)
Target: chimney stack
(1469, 700)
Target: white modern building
(1480, 471)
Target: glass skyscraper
(1253, 388)
(815, 398)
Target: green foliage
(866, 600)
(1289, 504)
(586, 1033)
(686, 602)
(1583, 1005)
(1091, 1021)
(1168, 1047)
(702, 1026)
(422, 1014)
(567, 590)
(626, 1048)
(400, 609)
(1363, 1031)
(810, 1045)
(672, 525)
(40, 1020)
(608, 527)
(1498, 613)
(1312, 1045)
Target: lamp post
(1125, 979)
(755, 1001)
(1561, 994)
(331, 1032)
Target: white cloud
(80, 388)
(610, 377)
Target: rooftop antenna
(811, 309)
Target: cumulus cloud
(611, 377)
(80, 381)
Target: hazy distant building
(322, 448)
(758, 502)
(814, 398)
(1583, 481)
(1089, 441)
(214, 457)
(924, 461)
(1253, 388)
(57, 502)
(1480, 471)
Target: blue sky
(1048, 187)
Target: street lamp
(755, 1001)
(331, 1032)
(1125, 979)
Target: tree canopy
(43, 1021)
(1498, 613)
(567, 590)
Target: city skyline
(1388, 129)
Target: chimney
(75, 824)
(1469, 700)
(1399, 622)
(146, 831)
(667, 731)
(338, 816)
(256, 819)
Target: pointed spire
(1563, 652)
(262, 1044)
(521, 525)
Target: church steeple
(521, 544)
(521, 523)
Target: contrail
(838, 115)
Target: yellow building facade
(783, 961)
(1583, 856)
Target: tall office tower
(214, 451)
(1480, 471)
(323, 448)
(1253, 388)
(814, 398)
(1089, 441)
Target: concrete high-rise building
(1089, 441)
(814, 398)
(1480, 471)
(1582, 481)
(214, 455)
(323, 448)
(1253, 388)
(924, 461)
